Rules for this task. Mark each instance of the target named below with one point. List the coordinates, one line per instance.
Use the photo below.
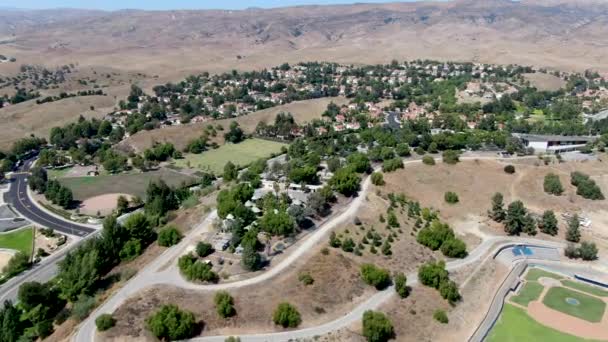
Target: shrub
(377, 327)
(454, 248)
(440, 316)
(232, 339)
(377, 178)
(171, 323)
(375, 276)
(586, 186)
(450, 157)
(17, 264)
(286, 315)
(401, 285)
(553, 185)
(428, 160)
(83, 307)
(131, 250)
(572, 251)
(104, 322)
(433, 274)
(169, 236)
(224, 304)
(588, 250)
(194, 269)
(510, 169)
(306, 279)
(203, 249)
(392, 164)
(451, 197)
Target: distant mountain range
(571, 34)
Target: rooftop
(540, 137)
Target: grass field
(20, 240)
(589, 308)
(596, 291)
(535, 273)
(240, 154)
(132, 184)
(515, 325)
(530, 292)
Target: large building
(554, 143)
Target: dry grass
(180, 136)
(545, 81)
(317, 303)
(26, 118)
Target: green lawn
(58, 173)
(128, 183)
(20, 240)
(535, 273)
(594, 290)
(590, 308)
(530, 292)
(515, 325)
(240, 154)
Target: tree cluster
(433, 274)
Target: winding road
(20, 199)
(157, 273)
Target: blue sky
(169, 4)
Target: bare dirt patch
(337, 288)
(566, 323)
(103, 204)
(4, 258)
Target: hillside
(540, 32)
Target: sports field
(19, 240)
(531, 291)
(535, 273)
(575, 304)
(240, 154)
(515, 325)
(593, 290)
(132, 183)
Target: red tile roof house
(340, 118)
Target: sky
(170, 4)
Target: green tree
(552, 184)
(131, 250)
(454, 248)
(230, 172)
(169, 236)
(277, 223)
(359, 162)
(515, 219)
(403, 150)
(345, 181)
(548, 223)
(573, 233)
(11, 325)
(377, 327)
(251, 259)
(138, 227)
(171, 323)
(122, 205)
(17, 264)
(286, 315)
(433, 274)
(449, 291)
(224, 304)
(78, 272)
(378, 277)
(203, 249)
(588, 250)
(401, 285)
(497, 212)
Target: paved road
(19, 199)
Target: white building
(554, 143)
